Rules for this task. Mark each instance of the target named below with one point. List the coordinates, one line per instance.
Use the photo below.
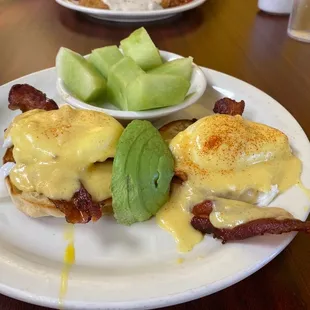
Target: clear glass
(299, 24)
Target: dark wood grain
(227, 35)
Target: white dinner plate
(130, 16)
(138, 267)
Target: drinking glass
(299, 24)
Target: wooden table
(226, 35)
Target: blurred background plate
(130, 16)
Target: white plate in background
(130, 16)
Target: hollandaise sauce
(228, 157)
(175, 217)
(69, 260)
(229, 213)
(55, 151)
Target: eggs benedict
(62, 160)
(226, 156)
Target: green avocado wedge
(142, 171)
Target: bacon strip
(80, 209)
(229, 106)
(201, 222)
(8, 156)
(25, 97)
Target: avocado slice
(156, 166)
(142, 171)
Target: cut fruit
(182, 67)
(120, 75)
(142, 171)
(104, 58)
(79, 76)
(151, 91)
(140, 47)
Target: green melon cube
(80, 77)
(104, 58)
(151, 91)
(182, 67)
(140, 47)
(120, 75)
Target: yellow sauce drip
(63, 147)
(175, 217)
(304, 189)
(229, 157)
(180, 260)
(69, 260)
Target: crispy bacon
(8, 156)
(25, 97)
(80, 209)
(201, 222)
(229, 106)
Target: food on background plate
(123, 77)
(129, 5)
(218, 177)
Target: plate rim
(171, 299)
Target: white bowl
(197, 88)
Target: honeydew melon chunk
(140, 47)
(80, 77)
(181, 67)
(120, 75)
(104, 58)
(151, 91)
